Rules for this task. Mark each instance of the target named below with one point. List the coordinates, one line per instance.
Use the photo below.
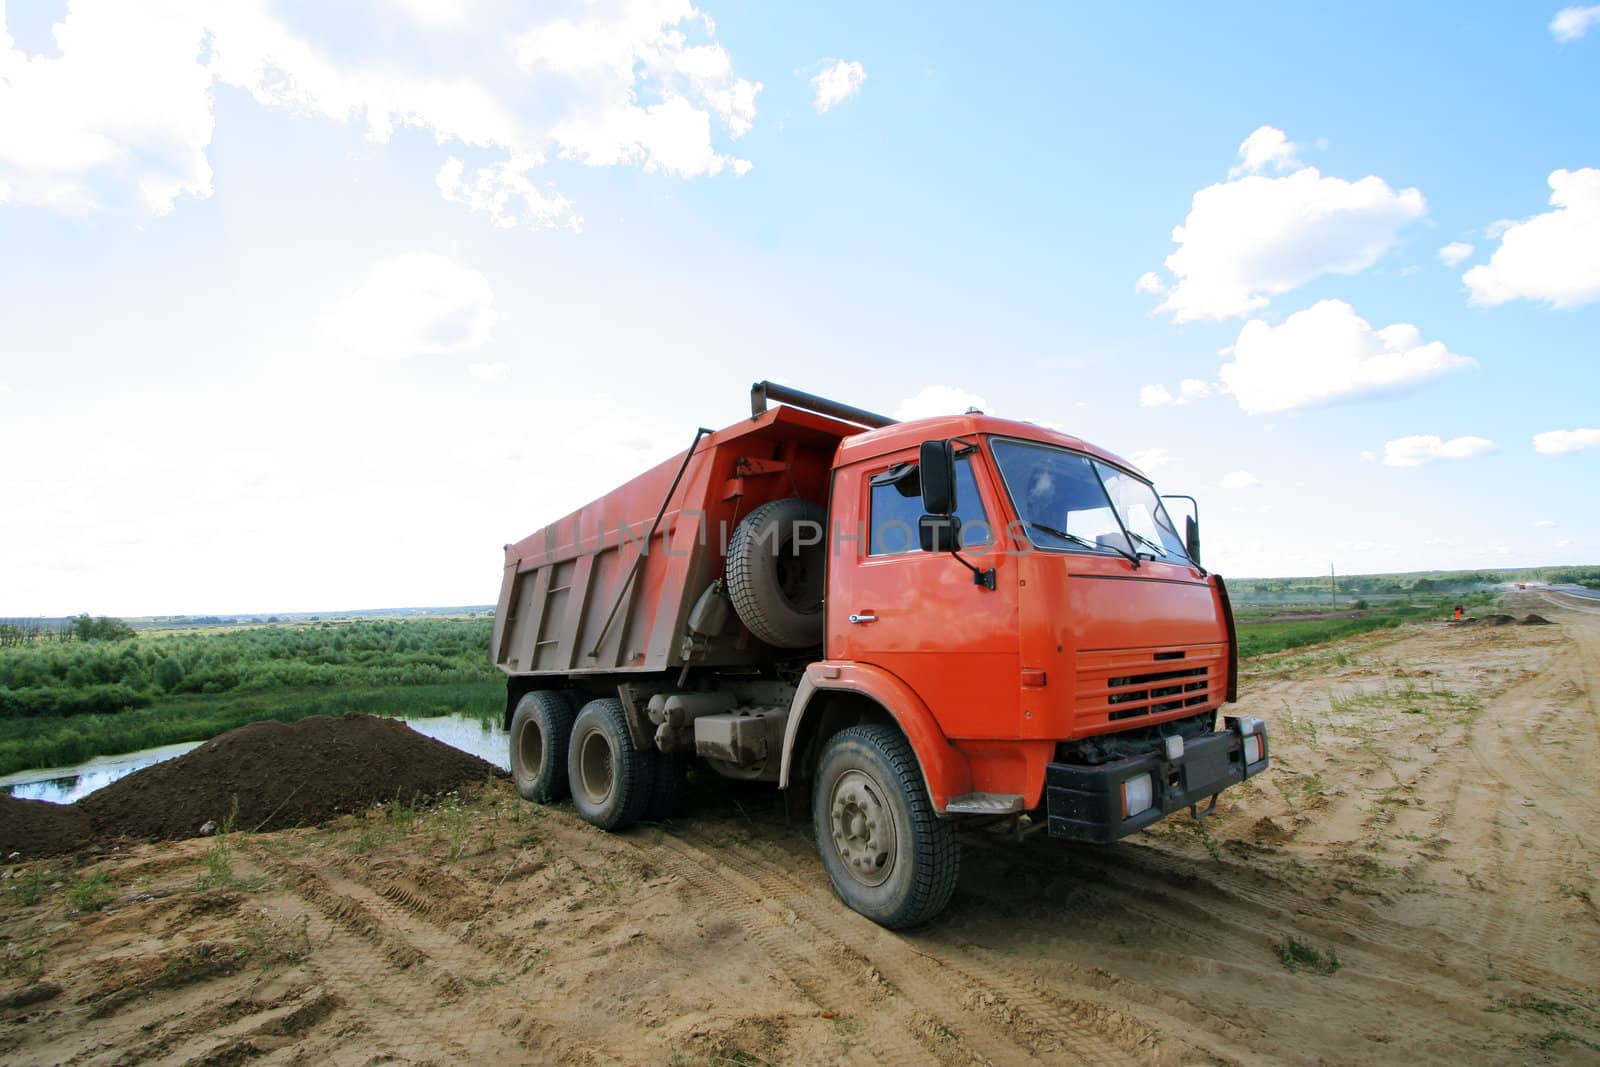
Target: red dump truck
(930, 624)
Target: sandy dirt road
(1430, 822)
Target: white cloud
(643, 44)
(1545, 524)
(673, 136)
(1326, 353)
(250, 50)
(1248, 239)
(1150, 459)
(1239, 480)
(490, 372)
(939, 400)
(1554, 257)
(837, 83)
(1155, 396)
(1417, 449)
(1563, 542)
(123, 116)
(1267, 146)
(1189, 390)
(1368, 456)
(413, 304)
(1572, 23)
(506, 193)
(1562, 442)
(126, 99)
(1150, 282)
(440, 13)
(1454, 253)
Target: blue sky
(314, 307)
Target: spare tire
(776, 562)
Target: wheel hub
(863, 828)
(596, 768)
(532, 749)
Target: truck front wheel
(886, 852)
(540, 727)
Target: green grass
(28, 886)
(90, 892)
(1553, 1040)
(1263, 637)
(1435, 703)
(1296, 954)
(1529, 1002)
(65, 740)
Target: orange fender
(944, 769)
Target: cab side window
(897, 506)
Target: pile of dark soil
(1498, 620)
(1536, 620)
(39, 828)
(282, 775)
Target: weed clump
(91, 892)
(1296, 954)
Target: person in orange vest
(1459, 611)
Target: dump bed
(597, 591)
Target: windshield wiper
(1053, 532)
(1074, 538)
(1160, 553)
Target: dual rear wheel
(559, 749)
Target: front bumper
(1086, 803)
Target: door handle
(868, 617)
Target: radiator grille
(1137, 683)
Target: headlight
(1252, 749)
(1137, 795)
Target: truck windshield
(1066, 500)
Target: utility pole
(1333, 588)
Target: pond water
(62, 785)
(481, 737)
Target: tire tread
(743, 585)
(937, 852)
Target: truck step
(984, 804)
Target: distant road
(1568, 596)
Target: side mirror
(937, 468)
(939, 533)
(1191, 527)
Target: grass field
(1262, 634)
(65, 702)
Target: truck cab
(956, 620)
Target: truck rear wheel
(540, 728)
(775, 576)
(886, 852)
(611, 780)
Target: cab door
(920, 615)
